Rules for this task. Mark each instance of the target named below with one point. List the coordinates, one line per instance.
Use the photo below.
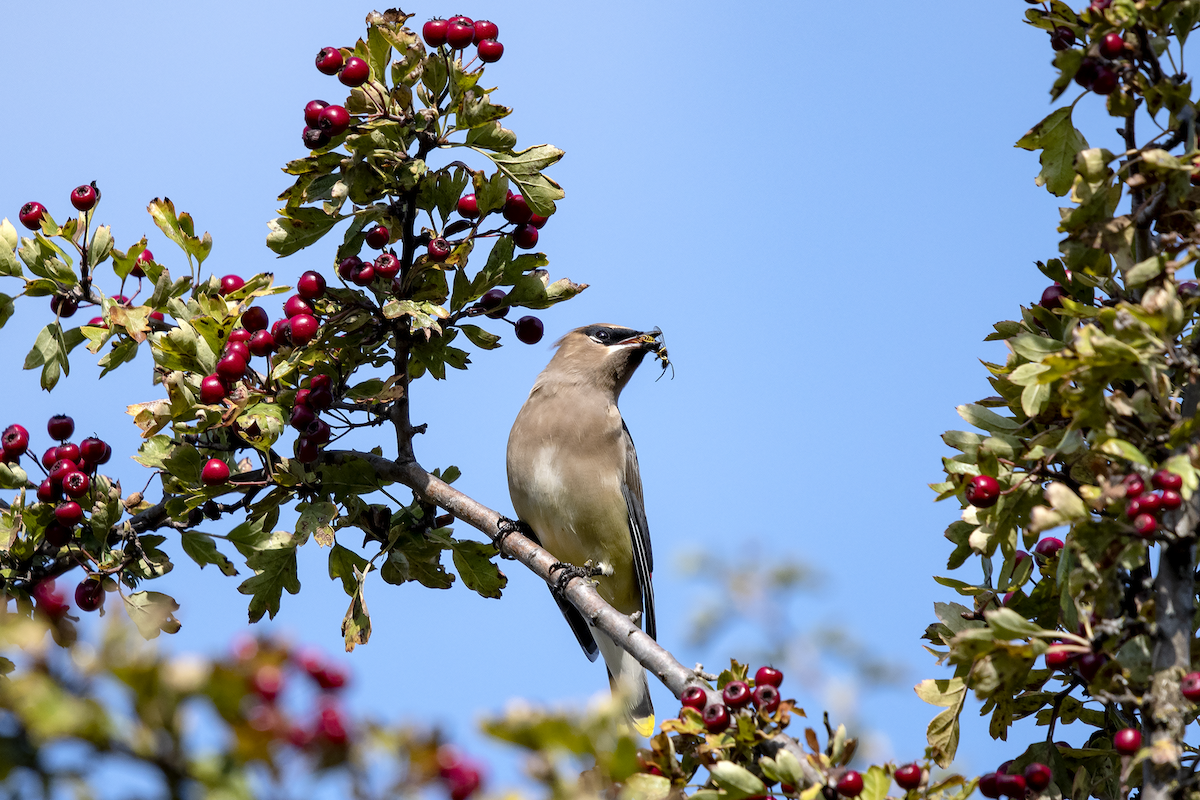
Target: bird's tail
(628, 680)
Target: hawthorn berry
(364, 274)
(314, 138)
(296, 306)
(334, 120)
(49, 601)
(329, 60)
(49, 457)
(84, 197)
(987, 786)
(1105, 82)
(1190, 686)
(468, 206)
(697, 698)
(1062, 38)
(318, 431)
(525, 236)
(983, 491)
(1059, 659)
(311, 286)
(766, 698)
(212, 390)
(850, 784)
(302, 416)
(330, 678)
(768, 676)
(1171, 500)
(231, 367)
(143, 258)
(459, 34)
(492, 301)
(69, 513)
(94, 450)
(377, 237)
(1010, 785)
(89, 594)
(439, 250)
(312, 112)
(31, 215)
(254, 319)
(736, 694)
(56, 535)
(242, 335)
(348, 267)
(76, 484)
(1047, 548)
(716, 717)
(485, 29)
(1145, 525)
(529, 330)
(465, 20)
(262, 343)
(516, 209)
(267, 682)
(60, 427)
(1134, 485)
(320, 398)
(15, 440)
(490, 51)
(355, 72)
(434, 32)
(1052, 297)
(64, 305)
(231, 283)
(538, 221)
(1165, 479)
(909, 776)
(1037, 776)
(281, 332)
(304, 328)
(1112, 45)
(215, 471)
(306, 452)
(1127, 741)
(1085, 76)
(1090, 665)
(387, 266)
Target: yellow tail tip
(644, 725)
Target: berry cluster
(460, 32)
(1143, 508)
(314, 431)
(736, 695)
(461, 776)
(1105, 60)
(1035, 778)
(70, 471)
(516, 210)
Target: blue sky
(822, 209)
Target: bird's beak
(649, 341)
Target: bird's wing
(578, 624)
(639, 530)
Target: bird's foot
(505, 527)
(568, 572)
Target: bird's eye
(602, 335)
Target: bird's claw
(505, 527)
(568, 572)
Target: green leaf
(304, 227)
(275, 570)
(7, 309)
(479, 573)
(356, 624)
(1145, 271)
(492, 136)
(986, 419)
(100, 247)
(1059, 142)
(943, 731)
(13, 477)
(480, 338)
(346, 565)
(152, 613)
(1035, 348)
(737, 781)
(1123, 449)
(876, 783)
(1008, 624)
(179, 228)
(490, 193)
(524, 168)
(203, 550)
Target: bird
(574, 480)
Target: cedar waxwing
(574, 480)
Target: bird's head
(603, 355)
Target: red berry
(329, 60)
(1134, 485)
(306, 452)
(215, 471)
(365, 274)
(1165, 479)
(47, 493)
(31, 215)
(1145, 525)
(89, 594)
(311, 286)
(439, 250)
(302, 417)
(355, 72)
(57, 535)
(60, 427)
(525, 237)
(485, 29)
(68, 451)
(143, 258)
(490, 51)
(15, 441)
(1171, 500)
(468, 206)
(459, 34)
(465, 20)
(850, 784)
(314, 138)
(1059, 659)
(908, 777)
(1086, 74)
(1090, 665)
(529, 330)
(312, 112)
(92, 449)
(1190, 686)
(76, 484)
(330, 678)
(1127, 741)
(262, 343)
(231, 283)
(1112, 45)
(538, 221)
(377, 237)
(317, 432)
(695, 697)
(1062, 38)
(348, 267)
(231, 367)
(64, 305)
(516, 210)
(49, 457)
(736, 694)
(49, 601)
(1105, 82)
(716, 718)
(320, 398)
(1052, 297)
(304, 328)
(334, 120)
(281, 332)
(84, 197)
(1047, 548)
(987, 786)
(295, 306)
(254, 319)
(212, 390)
(491, 301)
(434, 32)
(768, 676)
(983, 491)
(387, 266)
(267, 682)
(766, 698)
(1010, 785)
(1037, 776)
(69, 513)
